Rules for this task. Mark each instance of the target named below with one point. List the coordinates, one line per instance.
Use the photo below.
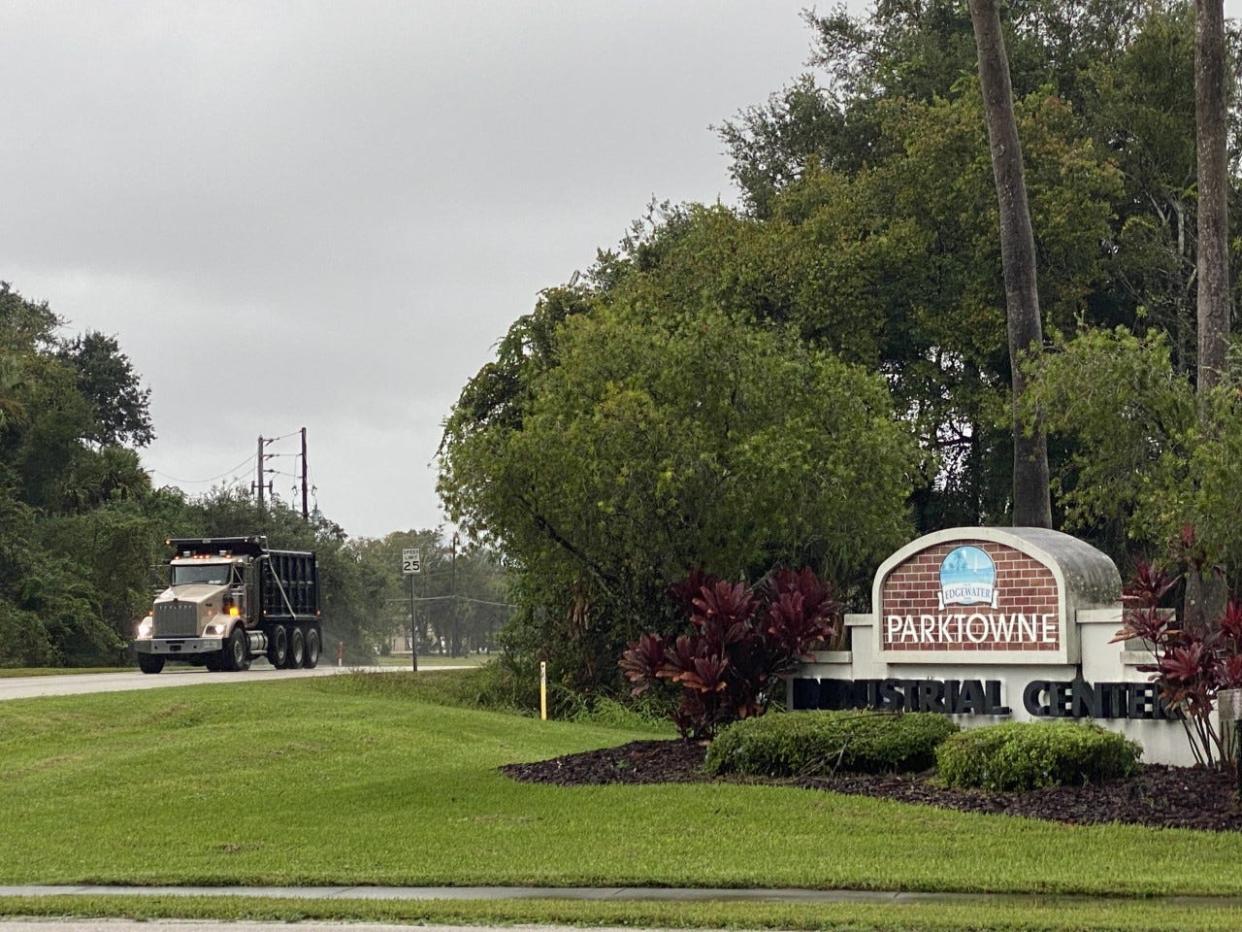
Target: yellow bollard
(543, 690)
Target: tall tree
(1206, 592)
(106, 378)
(1032, 506)
(1210, 131)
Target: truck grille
(176, 619)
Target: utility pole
(305, 509)
(262, 458)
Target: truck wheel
(236, 651)
(311, 652)
(297, 647)
(150, 663)
(278, 648)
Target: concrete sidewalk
(660, 894)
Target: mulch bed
(1165, 797)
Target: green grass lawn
(358, 779)
(9, 672)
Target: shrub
(821, 743)
(1033, 755)
(741, 640)
(1192, 661)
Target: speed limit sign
(411, 561)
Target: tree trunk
(1032, 506)
(1206, 593)
(1213, 255)
(1206, 598)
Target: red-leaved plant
(1190, 666)
(741, 640)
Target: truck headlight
(146, 627)
(213, 630)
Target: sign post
(411, 566)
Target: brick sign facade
(992, 624)
(971, 596)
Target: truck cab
(229, 601)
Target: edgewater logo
(967, 577)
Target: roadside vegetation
(378, 784)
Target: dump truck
(231, 600)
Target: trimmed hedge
(792, 744)
(1034, 755)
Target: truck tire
(236, 651)
(213, 662)
(150, 663)
(310, 653)
(278, 647)
(297, 647)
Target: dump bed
(289, 585)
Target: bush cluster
(821, 743)
(1034, 755)
(742, 639)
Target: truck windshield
(214, 573)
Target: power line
(231, 469)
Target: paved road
(28, 687)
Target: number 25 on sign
(411, 562)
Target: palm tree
(1032, 499)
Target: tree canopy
(660, 441)
(865, 244)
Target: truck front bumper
(174, 646)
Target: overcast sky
(325, 214)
